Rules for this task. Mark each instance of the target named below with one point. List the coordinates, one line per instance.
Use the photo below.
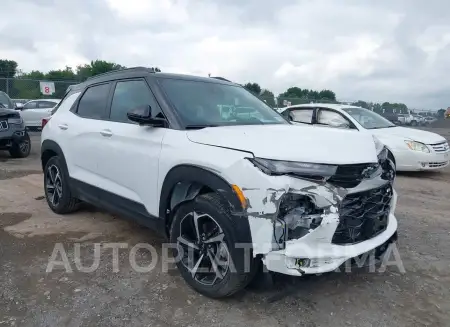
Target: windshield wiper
(200, 126)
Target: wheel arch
(185, 182)
(391, 153)
(50, 149)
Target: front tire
(204, 241)
(21, 149)
(57, 188)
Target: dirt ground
(29, 296)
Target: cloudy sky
(383, 50)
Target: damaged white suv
(200, 160)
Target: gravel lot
(31, 297)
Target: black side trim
(193, 174)
(47, 147)
(188, 174)
(114, 203)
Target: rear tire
(57, 188)
(21, 149)
(210, 263)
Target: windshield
(6, 101)
(213, 104)
(368, 119)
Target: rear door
(83, 143)
(303, 115)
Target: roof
(139, 71)
(335, 106)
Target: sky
(383, 50)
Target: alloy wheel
(53, 185)
(24, 146)
(204, 252)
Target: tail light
(45, 121)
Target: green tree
(327, 95)
(440, 113)
(96, 67)
(8, 69)
(254, 88)
(268, 97)
(362, 104)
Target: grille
(3, 125)
(349, 176)
(363, 215)
(440, 147)
(437, 164)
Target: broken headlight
(299, 214)
(307, 169)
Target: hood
(292, 142)
(5, 113)
(409, 134)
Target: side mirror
(19, 106)
(143, 116)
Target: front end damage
(305, 226)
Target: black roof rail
(221, 78)
(150, 70)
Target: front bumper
(317, 244)
(322, 257)
(408, 160)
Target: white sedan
(411, 149)
(33, 111)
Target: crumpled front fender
(264, 193)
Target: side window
(30, 105)
(129, 95)
(46, 104)
(66, 103)
(332, 119)
(93, 102)
(301, 115)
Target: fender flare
(49, 146)
(190, 180)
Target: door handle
(63, 126)
(106, 133)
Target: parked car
(33, 111)
(18, 103)
(154, 147)
(13, 136)
(407, 119)
(429, 119)
(411, 149)
(392, 117)
(417, 120)
(5, 101)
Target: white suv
(229, 190)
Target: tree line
(24, 85)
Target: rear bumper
(12, 135)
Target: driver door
(134, 149)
